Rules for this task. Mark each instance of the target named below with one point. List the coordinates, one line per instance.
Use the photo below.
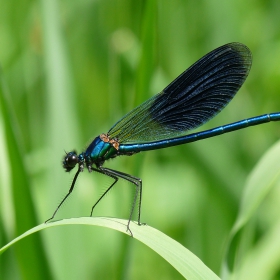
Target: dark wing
(192, 99)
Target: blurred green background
(70, 70)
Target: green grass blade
(185, 262)
(259, 184)
(262, 261)
(261, 181)
(24, 209)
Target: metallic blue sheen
(128, 148)
(99, 151)
(96, 148)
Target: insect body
(164, 120)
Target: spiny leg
(108, 172)
(69, 192)
(110, 175)
(134, 180)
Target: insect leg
(69, 192)
(134, 180)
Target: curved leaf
(184, 261)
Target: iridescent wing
(192, 99)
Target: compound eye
(70, 161)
